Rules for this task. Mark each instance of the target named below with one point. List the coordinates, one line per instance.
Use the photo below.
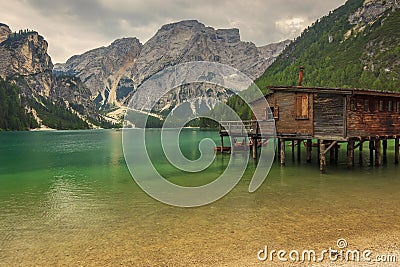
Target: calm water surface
(67, 198)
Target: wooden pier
(330, 117)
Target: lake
(67, 198)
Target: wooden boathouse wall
(333, 115)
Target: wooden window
(398, 106)
(381, 105)
(276, 112)
(301, 107)
(353, 105)
(366, 105)
(390, 105)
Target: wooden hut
(333, 115)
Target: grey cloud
(93, 21)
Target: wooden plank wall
(287, 122)
(328, 116)
(372, 122)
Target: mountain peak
(4, 32)
(183, 24)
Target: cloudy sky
(75, 26)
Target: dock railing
(247, 128)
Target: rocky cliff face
(25, 55)
(25, 62)
(371, 10)
(103, 68)
(114, 77)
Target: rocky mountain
(357, 45)
(114, 73)
(26, 71)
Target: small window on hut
(390, 106)
(301, 106)
(380, 105)
(353, 105)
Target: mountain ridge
(174, 43)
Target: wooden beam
(360, 150)
(329, 147)
(322, 160)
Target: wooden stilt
(360, 155)
(350, 154)
(378, 158)
(336, 147)
(293, 147)
(396, 151)
(279, 150)
(371, 152)
(384, 145)
(282, 145)
(299, 150)
(309, 150)
(322, 161)
(222, 144)
(319, 150)
(254, 140)
(332, 154)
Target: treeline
(57, 116)
(13, 115)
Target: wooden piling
(371, 152)
(309, 150)
(332, 154)
(293, 147)
(278, 148)
(299, 150)
(384, 145)
(282, 150)
(336, 147)
(222, 144)
(254, 147)
(360, 155)
(350, 154)
(322, 160)
(396, 150)
(378, 158)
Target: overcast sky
(73, 27)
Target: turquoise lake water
(67, 198)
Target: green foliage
(368, 58)
(13, 115)
(57, 116)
